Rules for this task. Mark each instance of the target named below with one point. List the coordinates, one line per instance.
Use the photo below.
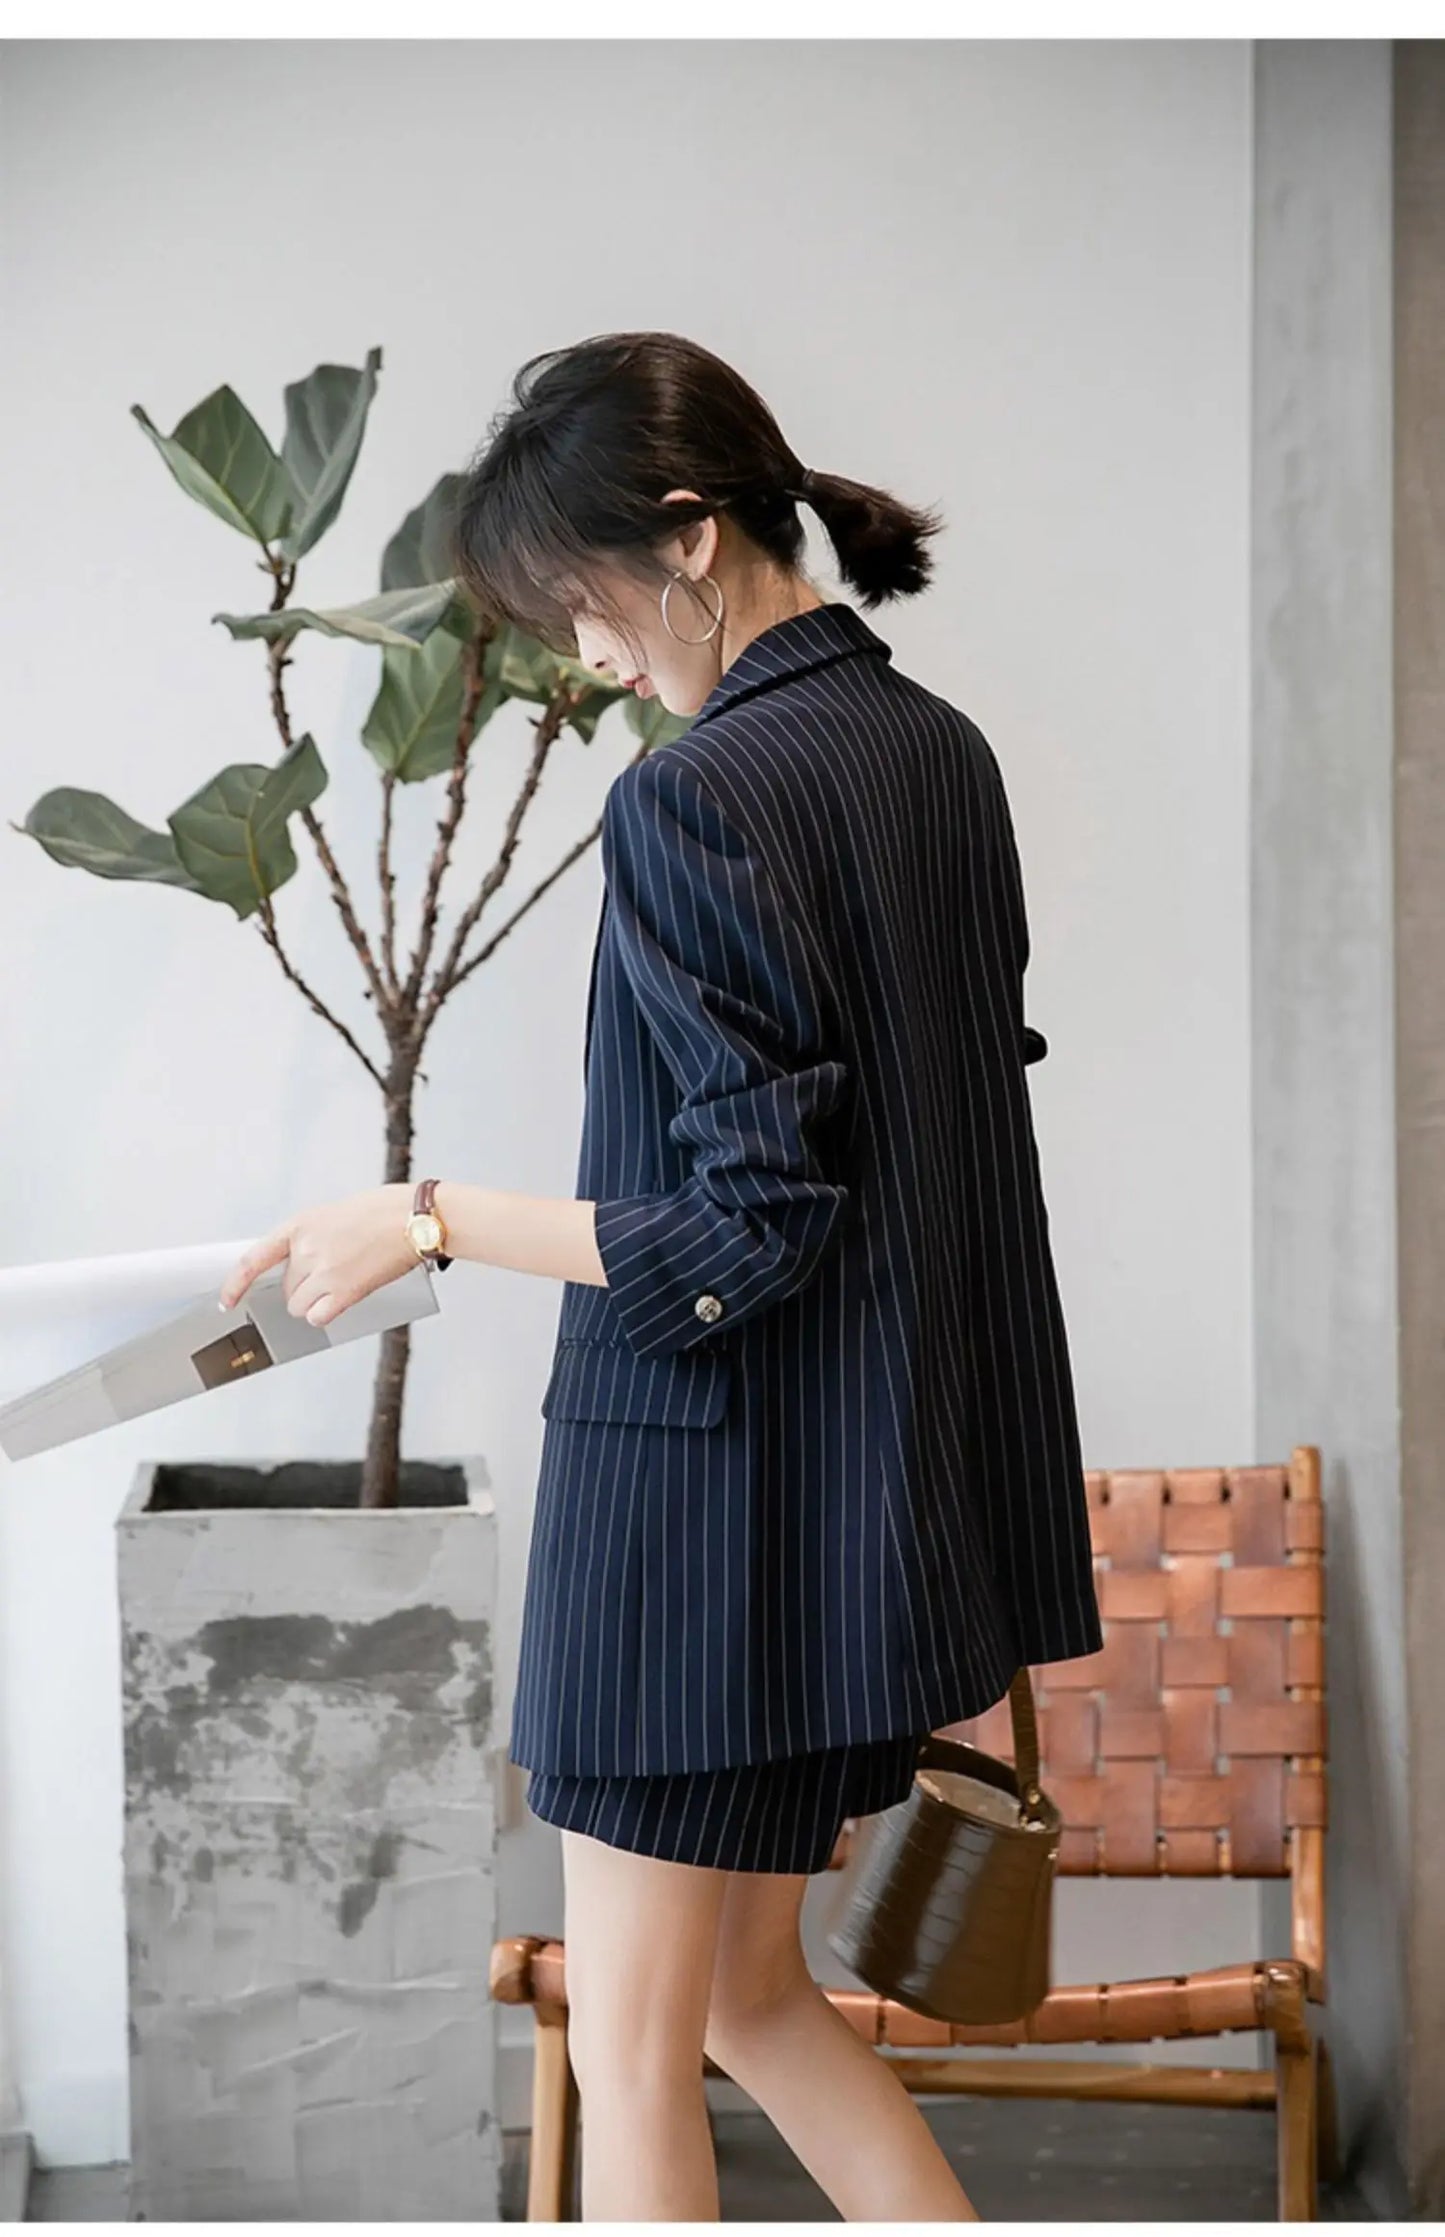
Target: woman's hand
(338, 1253)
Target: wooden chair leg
(553, 2160)
(1297, 2082)
(1327, 2117)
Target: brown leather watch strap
(424, 1201)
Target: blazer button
(708, 1308)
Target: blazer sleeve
(1034, 1043)
(731, 994)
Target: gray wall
(1013, 279)
(1322, 965)
(1419, 273)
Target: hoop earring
(706, 638)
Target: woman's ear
(694, 547)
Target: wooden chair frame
(1192, 1744)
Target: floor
(1036, 2160)
(1018, 2160)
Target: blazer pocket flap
(1035, 1045)
(610, 1382)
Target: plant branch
(342, 896)
(439, 993)
(386, 878)
(280, 660)
(448, 826)
(272, 938)
(545, 731)
(455, 972)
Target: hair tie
(804, 485)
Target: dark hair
(576, 469)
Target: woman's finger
(303, 1293)
(269, 1251)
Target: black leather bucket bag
(951, 1912)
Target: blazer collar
(789, 648)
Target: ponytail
(881, 543)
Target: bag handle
(1026, 1743)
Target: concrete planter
(310, 1836)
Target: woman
(810, 1482)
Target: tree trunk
(381, 1469)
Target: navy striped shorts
(782, 1815)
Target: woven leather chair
(1192, 1744)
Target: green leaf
(520, 665)
(586, 681)
(232, 835)
(653, 722)
(325, 421)
(589, 710)
(415, 717)
(526, 669)
(421, 551)
(530, 670)
(85, 831)
(461, 618)
(396, 617)
(221, 458)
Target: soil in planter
(192, 1487)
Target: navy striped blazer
(810, 1462)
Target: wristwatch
(426, 1230)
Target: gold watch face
(425, 1231)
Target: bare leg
(830, 2096)
(640, 1939)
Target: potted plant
(307, 1675)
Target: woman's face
(655, 664)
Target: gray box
(199, 1348)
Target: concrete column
(1323, 909)
(1419, 278)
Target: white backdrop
(1011, 279)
